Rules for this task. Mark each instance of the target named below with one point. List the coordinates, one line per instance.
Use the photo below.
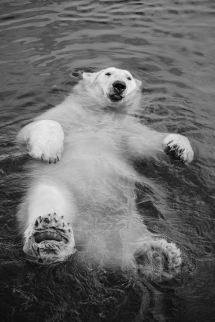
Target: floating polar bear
(87, 199)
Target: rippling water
(170, 46)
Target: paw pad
(49, 239)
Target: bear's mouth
(115, 97)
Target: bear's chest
(95, 141)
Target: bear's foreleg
(44, 140)
(144, 142)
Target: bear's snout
(119, 87)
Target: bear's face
(117, 85)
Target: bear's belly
(95, 169)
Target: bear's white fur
(87, 199)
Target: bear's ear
(138, 82)
(91, 77)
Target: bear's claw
(49, 239)
(175, 151)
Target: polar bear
(82, 191)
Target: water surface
(169, 45)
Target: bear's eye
(128, 78)
(108, 74)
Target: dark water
(170, 46)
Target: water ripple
(170, 46)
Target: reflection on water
(169, 45)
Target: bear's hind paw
(158, 259)
(49, 239)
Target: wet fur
(95, 175)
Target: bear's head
(113, 85)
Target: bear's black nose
(119, 86)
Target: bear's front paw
(45, 140)
(178, 146)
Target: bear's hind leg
(154, 257)
(50, 214)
